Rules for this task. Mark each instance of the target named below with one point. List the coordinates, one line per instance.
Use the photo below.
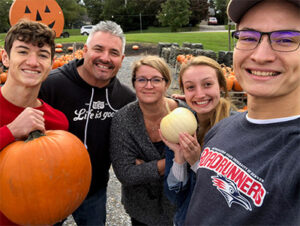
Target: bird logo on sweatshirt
(230, 191)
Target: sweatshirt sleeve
(6, 137)
(125, 148)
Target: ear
(85, 48)
(52, 61)
(5, 58)
(123, 56)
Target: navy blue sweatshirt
(249, 174)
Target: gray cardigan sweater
(142, 186)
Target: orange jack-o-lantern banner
(44, 11)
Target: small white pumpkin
(178, 121)
(135, 47)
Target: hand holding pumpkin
(190, 148)
(175, 147)
(29, 120)
(178, 131)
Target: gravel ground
(124, 73)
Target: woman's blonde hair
(224, 106)
(155, 62)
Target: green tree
(73, 12)
(174, 13)
(133, 14)
(151, 8)
(4, 12)
(199, 10)
(94, 10)
(221, 6)
(114, 10)
(126, 15)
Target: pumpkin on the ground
(58, 45)
(3, 77)
(70, 48)
(56, 64)
(43, 179)
(180, 58)
(237, 86)
(58, 50)
(229, 82)
(135, 47)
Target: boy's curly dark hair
(32, 32)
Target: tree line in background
(131, 14)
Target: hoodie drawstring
(89, 113)
(107, 100)
(88, 118)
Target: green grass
(72, 38)
(163, 30)
(73, 31)
(215, 41)
(2, 36)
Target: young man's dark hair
(30, 32)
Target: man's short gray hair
(110, 27)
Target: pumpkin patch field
(61, 58)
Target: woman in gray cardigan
(137, 151)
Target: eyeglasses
(142, 81)
(282, 41)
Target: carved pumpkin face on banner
(44, 11)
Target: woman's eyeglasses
(142, 81)
(282, 41)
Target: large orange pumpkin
(44, 11)
(43, 179)
(229, 82)
(237, 86)
(3, 77)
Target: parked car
(212, 21)
(86, 29)
(65, 34)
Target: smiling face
(201, 89)
(102, 59)
(28, 65)
(265, 74)
(149, 93)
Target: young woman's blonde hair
(155, 62)
(224, 106)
